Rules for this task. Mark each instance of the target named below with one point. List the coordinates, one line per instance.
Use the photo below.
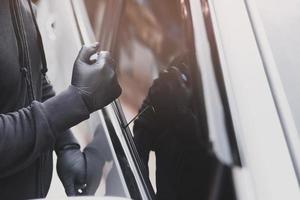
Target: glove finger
(70, 189)
(160, 82)
(116, 87)
(179, 80)
(157, 84)
(186, 71)
(172, 76)
(80, 182)
(106, 57)
(163, 75)
(87, 51)
(167, 82)
(81, 189)
(107, 64)
(177, 75)
(155, 91)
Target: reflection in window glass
(281, 21)
(159, 76)
(149, 39)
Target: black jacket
(29, 130)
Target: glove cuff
(65, 141)
(65, 110)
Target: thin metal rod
(139, 114)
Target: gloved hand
(166, 106)
(170, 94)
(96, 81)
(71, 169)
(82, 171)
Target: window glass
(163, 96)
(281, 20)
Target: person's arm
(76, 169)
(140, 140)
(66, 138)
(71, 164)
(152, 127)
(28, 132)
(145, 132)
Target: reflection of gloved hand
(169, 97)
(170, 94)
(96, 81)
(171, 123)
(71, 169)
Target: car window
(163, 98)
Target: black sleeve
(47, 89)
(145, 133)
(28, 132)
(67, 138)
(141, 140)
(151, 131)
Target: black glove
(71, 169)
(165, 108)
(81, 171)
(95, 80)
(170, 94)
